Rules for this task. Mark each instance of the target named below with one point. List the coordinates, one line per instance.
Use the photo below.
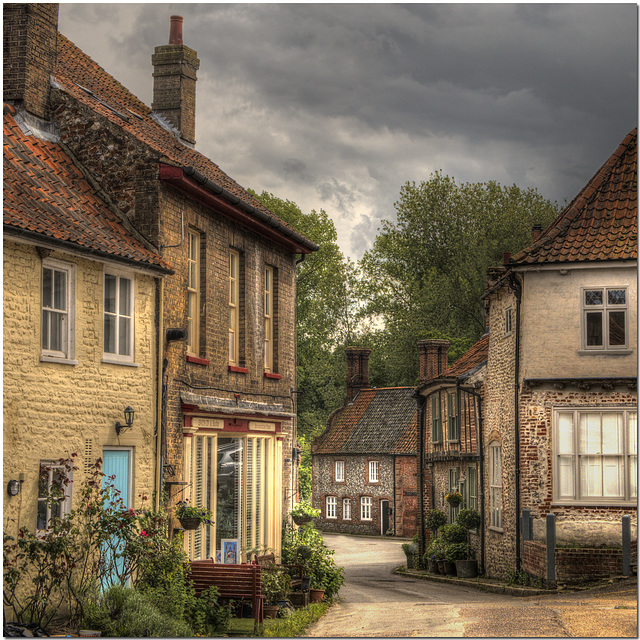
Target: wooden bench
(296, 571)
(233, 581)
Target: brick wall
(52, 410)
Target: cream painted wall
(551, 332)
(51, 409)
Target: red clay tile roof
(46, 196)
(471, 360)
(104, 94)
(382, 421)
(601, 222)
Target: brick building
(80, 335)
(364, 463)
(227, 317)
(450, 398)
(560, 427)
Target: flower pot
(302, 520)
(271, 610)
(467, 568)
(433, 566)
(316, 595)
(189, 524)
(411, 560)
(441, 568)
(449, 568)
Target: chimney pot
(357, 371)
(536, 232)
(506, 257)
(433, 357)
(175, 33)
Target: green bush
(469, 519)
(456, 551)
(305, 546)
(454, 534)
(434, 550)
(435, 519)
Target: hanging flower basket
(454, 498)
(189, 524)
(302, 520)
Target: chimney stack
(175, 69)
(30, 41)
(536, 232)
(357, 371)
(433, 358)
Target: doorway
(385, 517)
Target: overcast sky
(335, 106)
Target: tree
(425, 274)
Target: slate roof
(379, 421)
(601, 222)
(92, 86)
(46, 197)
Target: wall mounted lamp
(128, 420)
(13, 487)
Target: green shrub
(434, 550)
(456, 551)
(453, 534)
(469, 519)
(435, 519)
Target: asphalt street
(375, 602)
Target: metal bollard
(551, 547)
(626, 545)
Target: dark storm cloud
(335, 106)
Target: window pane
(617, 328)
(47, 288)
(109, 334)
(612, 433)
(565, 433)
(110, 294)
(613, 480)
(56, 326)
(41, 520)
(633, 481)
(124, 336)
(633, 432)
(567, 487)
(616, 296)
(594, 329)
(591, 476)
(125, 297)
(60, 290)
(45, 329)
(589, 437)
(593, 297)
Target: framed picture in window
(219, 555)
(230, 551)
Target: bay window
(436, 421)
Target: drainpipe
(421, 402)
(159, 460)
(395, 458)
(516, 286)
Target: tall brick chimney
(433, 358)
(175, 69)
(357, 371)
(30, 37)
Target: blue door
(117, 470)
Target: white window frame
(346, 508)
(65, 501)
(269, 274)
(374, 471)
(604, 310)
(339, 471)
(119, 317)
(366, 508)
(193, 293)
(234, 307)
(495, 485)
(572, 457)
(67, 353)
(331, 512)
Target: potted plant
(454, 498)
(303, 513)
(434, 520)
(191, 517)
(411, 552)
(433, 553)
(470, 520)
(452, 537)
(274, 585)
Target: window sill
(197, 360)
(120, 362)
(272, 376)
(595, 505)
(58, 360)
(605, 352)
(238, 369)
(496, 529)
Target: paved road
(374, 602)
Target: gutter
(198, 185)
